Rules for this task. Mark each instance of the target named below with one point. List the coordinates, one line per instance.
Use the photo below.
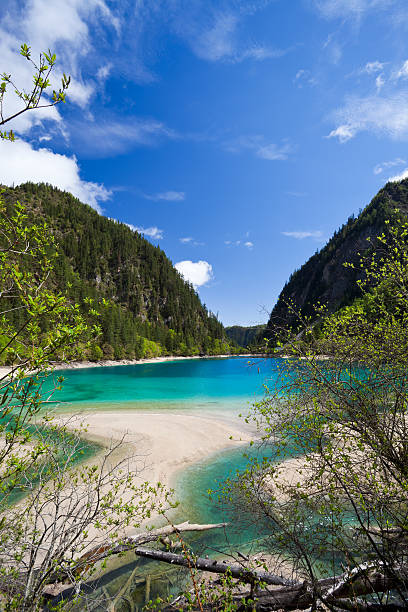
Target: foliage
(245, 336)
(37, 96)
(344, 416)
(63, 506)
(146, 308)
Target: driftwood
(244, 574)
(56, 586)
(341, 591)
(162, 533)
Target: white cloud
(260, 148)
(399, 177)
(260, 53)
(104, 138)
(216, 42)
(60, 26)
(343, 133)
(20, 162)
(236, 243)
(381, 114)
(304, 77)
(152, 232)
(402, 73)
(379, 82)
(198, 273)
(388, 164)
(373, 67)
(274, 152)
(345, 9)
(213, 35)
(317, 234)
(168, 196)
(333, 48)
(104, 71)
(191, 241)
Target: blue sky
(237, 135)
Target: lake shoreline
(77, 365)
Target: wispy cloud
(402, 73)
(304, 77)
(152, 232)
(316, 234)
(379, 82)
(350, 9)
(236, 243)
(104, 71)
(198, 273)
(386, 114)
(213, 34)
(116, 136)
(191, 241)
(333, 48)
(373, 67)
(379, 168)
(167, 196)
(260, 147)
(297, 194)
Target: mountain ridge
(323, 278)
(153, 311)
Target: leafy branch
(36, 97)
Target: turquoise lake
(189, 383)
(220, 387)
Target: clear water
(191, 383)
(222, 388)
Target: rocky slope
(324, 278)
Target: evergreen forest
(146, 309)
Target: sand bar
(164, 442)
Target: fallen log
(129, 543)
(341, 591)
(237, 571)
(56, 586)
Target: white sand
(164, 442)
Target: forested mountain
(324, 278)
(244, 336)
(151, 310)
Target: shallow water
(188, 384)
(222, 388)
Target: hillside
(244, 336)
(323, 278)
(152, 310)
